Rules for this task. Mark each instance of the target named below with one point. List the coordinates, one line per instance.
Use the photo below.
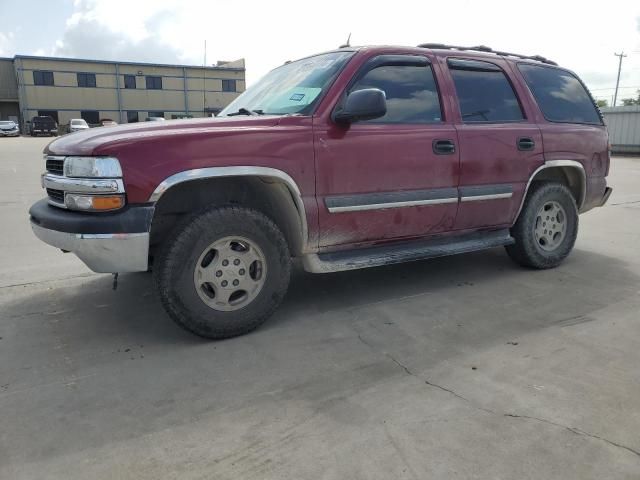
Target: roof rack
(483, 48)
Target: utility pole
(615, 95)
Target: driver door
(392, 177)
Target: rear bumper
(106, 243)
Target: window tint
(560, 95)
(86, 79)
(412, 96)
(484, 92)
(132, 117)
(129, 81)
(228, 85)
(154, 83)
(92, 117)
(41, 77)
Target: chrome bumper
(102, 253)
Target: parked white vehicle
(77, 124)
(9, 128)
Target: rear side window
(412, 96)
(560, 95)
(484, 92)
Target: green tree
(627, 102)
(602, 103)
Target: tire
(535, 248)
(199, 247)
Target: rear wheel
(223, 273)
(546, 229)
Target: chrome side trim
(239, 171)
(381, 206)
(82, 185)
(494, 196)
(557, 163)
(102, 253)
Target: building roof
(113, 62)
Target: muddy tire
(546, 229)
(223, 272)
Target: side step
(404, 252)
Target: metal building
(623, 124)
(126, 92)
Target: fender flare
(239, 171)
(555, 164)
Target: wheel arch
(268, 190)
(568, 172)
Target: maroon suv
(348, 159)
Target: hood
(99, 140)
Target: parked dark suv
(44, 126)
(354, 158)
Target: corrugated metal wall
(624, 128)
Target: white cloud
(6, 43)
(269, 33)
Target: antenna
(348, 44)
(204, 81)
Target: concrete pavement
(457, 368)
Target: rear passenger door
(500, 143)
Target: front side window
(154, 83)
(41, 77)
(92, 117)
(412, 95)
(560, 95)
(87, 80)
(484, 92)
(292, 88)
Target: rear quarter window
(560, 95)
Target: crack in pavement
(39, 282)
(573, 430)
(625, 203)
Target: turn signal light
(94, 203)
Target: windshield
(7, 124)
(78, 122)
(291, 88)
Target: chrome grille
(56, 195)
(55, 165)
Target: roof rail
(483, 48)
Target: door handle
(444, 147)
(526, 143)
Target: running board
(404, 252)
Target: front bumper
(106, 243)
(605, 197)
(9, 133)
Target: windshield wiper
(245, 111)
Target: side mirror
(360, 105)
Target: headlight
(92, 167)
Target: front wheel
(224, 273)
(546, 229)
